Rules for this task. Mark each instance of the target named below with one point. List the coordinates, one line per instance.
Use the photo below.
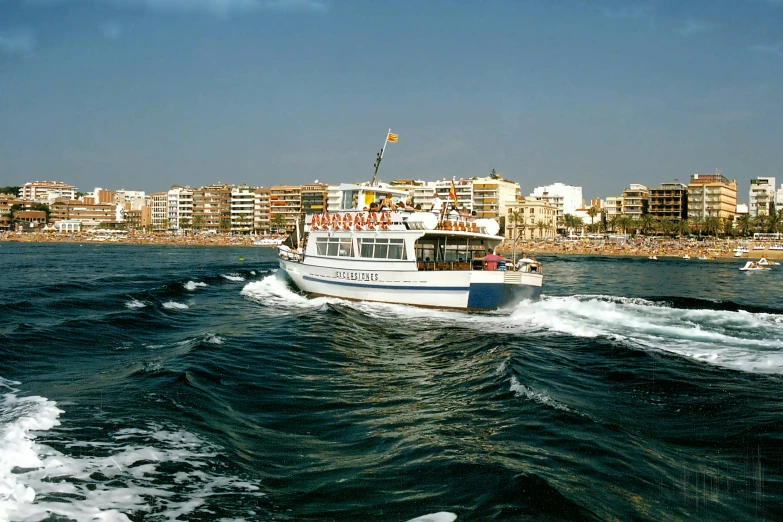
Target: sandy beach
(712, 249)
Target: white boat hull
(466, 290)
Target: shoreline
(718, 249)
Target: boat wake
(724, 335)
(154, 471)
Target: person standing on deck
(437, 204)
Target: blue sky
(143, 94)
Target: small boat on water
(752, 266)
(654, 258)
(686, 257)
(703, 258)
(268, 242)
(405, 257)
(766, 262)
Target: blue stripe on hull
(493, 296)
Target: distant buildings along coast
(548, 210)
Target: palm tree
(728, 227)
(199, 221)
(712, 225)
(683, 227)
(516, 218)
(541, 226)
(646, 223)
(592, 212)
(279, 221)
(242, 220)
(224, 224)
(743, 225)
(184, 223)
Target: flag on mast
(392, 137)
(453, 193)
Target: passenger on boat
(388, 204)
(492, 260)
(453, 213)
(437, 204)
(473, 215)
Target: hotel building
(285, 200)
(242, 203)
(669, 201)
(636, 200)
(712, 195)
(762, 197)
(46, 191)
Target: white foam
(173, 305)
(135, 303)
(106, 481)
(520, 390)
(192, 285)
(441, 516)
(213, 339)
(233, 277)
(273, 290)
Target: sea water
(180, 383)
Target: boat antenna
(389, 137)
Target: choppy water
(165, 383)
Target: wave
(192, 285)
(134, 303)
(720, 333)
(233, 277)
(173, 305)
(109, 479)
(520, 390)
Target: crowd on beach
(694, 248)
(640, 246)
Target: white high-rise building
(46, 191)
(159, 211)
(761, 194)
(180, 208)
(131, 199)
(566, 198)
(419, 192)
(242, 206)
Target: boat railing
(477, 264)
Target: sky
(145, 94)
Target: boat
(776, 247)
(703, 258)
(759, 247)
(654, 258)
(752, 266)
(686, 257)
(404, 257)
(766, 262)
(268, 241)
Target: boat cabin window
(448, 249)
(334, 246)
(350, 199)
(382, 248)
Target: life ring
(326, 220)
(315, 222)
(348, 222)
(359, 222)
(385, 220)
(337, 221)
(372, 220)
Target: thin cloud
(632, 12)
(214, 7)
(767, 48)
(20, 43)
(111, 30)
(692, 27)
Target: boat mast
(379, 158)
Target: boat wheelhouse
(405, 256)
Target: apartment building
(566, 198)
(613, 206)
(46, 191)
(242, 203)
(466, 193)
(669, 201)
(131, 199)
(539, 218)
(420, 192)
(6, 202)
(179, 208)
(712, 195)
(89, 214)
(261, 209)
(314, 198)
(285, 200)
(762, 197)
(159, 211)
(139, 219)
(636, 200)
(212, 207)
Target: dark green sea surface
(163, 383)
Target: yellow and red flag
(393, 137)
(453, 192)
